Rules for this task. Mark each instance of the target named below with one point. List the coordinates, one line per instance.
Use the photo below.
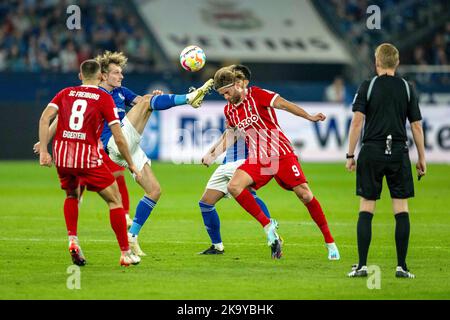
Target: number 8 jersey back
(81, 112)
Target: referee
(384, 103)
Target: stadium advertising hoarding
(245, 30)
(183, 134)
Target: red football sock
(124, 193)
(71, 215)
(119, 225)
(248, 202)
(319, 218)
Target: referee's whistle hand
(421, 167)
(350, 165)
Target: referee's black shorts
(373, 165)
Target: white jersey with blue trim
(238, 151)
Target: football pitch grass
(34, 259)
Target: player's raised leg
(304, 193)
(140, 113)
(193, 98)
(145, 206)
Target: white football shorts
(222, 176)
(133, 139)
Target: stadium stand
(39, 56)
(420, 29)
(33, 35)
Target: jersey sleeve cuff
(54, 105)
(113, 122)
(273, 99)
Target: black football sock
(402, 228)
(364, 233)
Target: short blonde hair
(387, 56)
(227, 76)
(109, 57)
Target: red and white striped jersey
(81, 112)
(255, 116)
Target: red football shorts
(95, 179)
(112, 166)
(286, 170)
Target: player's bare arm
(283, 104)
(51, 134)
(122, 145)
(227, 139)
(45, 159)
(353, 138)
(417, 131)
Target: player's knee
(304, 193)
(155, 193)
(234, 188)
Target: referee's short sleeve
(413, 106)
(360, 100)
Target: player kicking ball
(133, 124)
(271, 155)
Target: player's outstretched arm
(353, 138)
(283, 104)
(122, 145)
(51, 134)
(417, 131)
(227, 139)
(45, 159)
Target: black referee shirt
(386, 102)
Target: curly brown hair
(109, 57)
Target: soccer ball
(192, 58)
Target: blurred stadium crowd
(33, 39)
(407, 23)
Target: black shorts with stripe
(373, 164)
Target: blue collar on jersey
(104, 89)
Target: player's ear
(79, 76)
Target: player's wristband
(349, 156)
